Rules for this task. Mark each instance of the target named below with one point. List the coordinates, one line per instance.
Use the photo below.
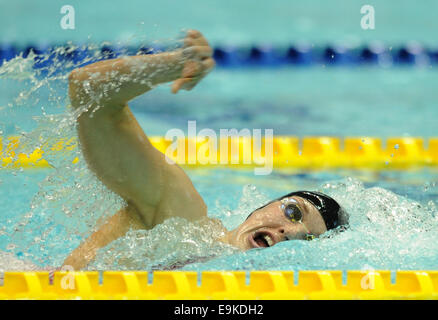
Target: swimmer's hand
(198, 61)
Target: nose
(288, 233)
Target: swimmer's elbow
(75, 77)
(73, 88)
(72, 75)
(76, 92)
(84, 88)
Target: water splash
(386, 231)
(71, 202)
(170, 245)
(19, 68)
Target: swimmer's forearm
(120, 80)
(115, 227)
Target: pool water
(302, 101)
(362, 101)
(236, 22)
(393, 216)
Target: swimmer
(122, 157)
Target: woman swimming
(120, 154)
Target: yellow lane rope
(287, 151)
(220, 285)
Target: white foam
(8, 262)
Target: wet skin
(269, 226)
(153, 189)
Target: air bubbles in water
(170, 245)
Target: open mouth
(262, 239)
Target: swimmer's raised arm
(116, 81)
(119, 152)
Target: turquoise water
(393, 222)
(238, 22)
(302, 101)
(45, 214)
(291, 101)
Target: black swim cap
(328, 208)
(331, 212)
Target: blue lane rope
(258, 55)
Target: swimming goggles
(292, 211)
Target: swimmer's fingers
(195, 38)
(194, 69)
(185, 84)
(208, 65)
(178, 84)
(198, 70)
(191, 68)
(193, 74)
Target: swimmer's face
(269, 226)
